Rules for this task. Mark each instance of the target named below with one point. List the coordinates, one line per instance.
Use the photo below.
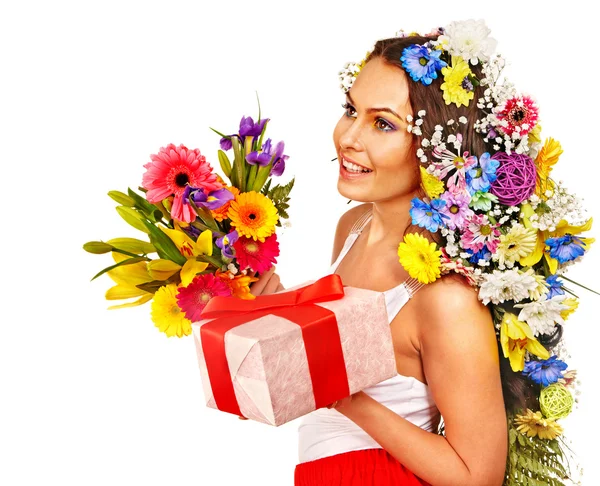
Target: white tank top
(326, 432)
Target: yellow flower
(239, 284)
(534, 136)
(431, 184)
(167, 315)
(534, 424)
(420, 258)
(127, 277)
(546, 159)
(516, 337)
(190, 249)
(254, 215)
(516, 244)
(572, 303)
(454, 76)
(562, 228)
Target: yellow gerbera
(546, 159)
(420, 258)
(454, 77)
(534, 424)
(516, 337)
(254, 215)
(431, 184)
(167, 315)
(516, 244)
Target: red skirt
(356, 468)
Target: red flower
(521, 114)
(193, 298)
(256, 255)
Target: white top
(326, 432)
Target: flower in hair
(422, 63)
(458, 84)
(469, 40)
(519, 114)
(545, 372)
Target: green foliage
(533, 461)
(280, 197)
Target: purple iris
(250, 129)
(225, 242)
(263, 157)
(555, 286)
(566, 248)
(422, 63)
(544, 372)
(428, 215)
(214, 199)
(226, 143)
(279, 160)
(482, 174)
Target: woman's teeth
(353, 167)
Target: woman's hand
(345, 403)
(267, 283)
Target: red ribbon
(319, 331)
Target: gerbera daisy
(420, 258)
(256, 255)
(480, 232)
(170, 171)
(456, 208)
(545, 372)
(457, 86)
(453, 164)
(193, 298)
(534, 424)
(239, 284)
(519, 114)
(221, 212)
(167, 315)
(253, 214)
(431, 184)
(516, 244)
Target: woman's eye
(347, 107)
(384, 126)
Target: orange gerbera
(253, 215)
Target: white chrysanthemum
(542, 285)
(498, 287)
(516, 244)
(469, 40)
(543, 315)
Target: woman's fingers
(258, 287)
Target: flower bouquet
(209, 237)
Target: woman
(444, 337)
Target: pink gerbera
(171, 170)
(193, 298)
(256, 255)
(520, 115)
(480, 232)
(456, 208)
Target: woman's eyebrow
(375, 110)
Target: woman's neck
(389, 221)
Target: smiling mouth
(354, 168)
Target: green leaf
(121, 198)
(225, 163)
(129, 261)
(164, 245)
(132, 217)
(132, 245)
(97, 247)
(219, 133)
(147, 208)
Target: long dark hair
(519, 392)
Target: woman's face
(372, 133)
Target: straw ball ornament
(515, 180)
(556, 401)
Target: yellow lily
(562, 228)
(190, 249)
(516, 337)
(127, 277)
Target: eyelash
(348, 105)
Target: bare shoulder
(344, 226)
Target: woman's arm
(460, 360)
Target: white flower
(232, 268)
(469, 40)
(516, 244)
(543, 315)
(499, 286)
(421, 113)
(463, 119)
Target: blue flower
(279, 160)
(263, 157)
(566, 248)
(544, 372)
(422, 63)
(481, 175)
(483, 254)
(427, 215)
(555, 286)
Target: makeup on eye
(391, 127)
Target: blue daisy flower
(483, 254)
(555, 286)
(565, 248)
(427, 215)
(545, 372)
(422, 63)
(481, 175)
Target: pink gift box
(268, 363)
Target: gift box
(280, 356)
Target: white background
(89, 90)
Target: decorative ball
(556, 401)
(515, 178)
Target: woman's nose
(351, 138)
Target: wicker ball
(515, 180)
(556, 401)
